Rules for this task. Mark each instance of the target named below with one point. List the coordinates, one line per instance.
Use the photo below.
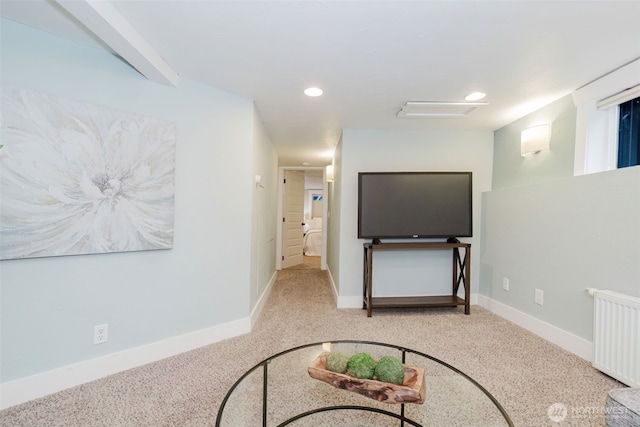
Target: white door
(293, 218)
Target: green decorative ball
(336, 362)
(390, 370)
(361, 365)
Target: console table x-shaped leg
(460, 276)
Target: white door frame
(323, 256)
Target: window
(629, 134)
(597, 144)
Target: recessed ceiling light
(313, 91)
(475, 96)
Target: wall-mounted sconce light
(535, 139)
(329, 173)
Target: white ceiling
(370, 57)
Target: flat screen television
(410, 205)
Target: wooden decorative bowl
(412, 389)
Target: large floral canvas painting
(82, 179)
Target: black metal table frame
(265, 363)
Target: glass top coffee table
(280, 392)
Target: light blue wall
(334, 220)
(264, 210)
(563, 236)
(49, 306)
(511, 169)
(407, 273)
(539, 227)
(543, 228)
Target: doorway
(312, 225)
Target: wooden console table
(461, 274)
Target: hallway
(308, 262)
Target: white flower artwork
(80, 179)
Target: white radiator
(616, 336)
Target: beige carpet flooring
(307, 263)
(524, 372)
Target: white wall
(406, 273)
(200, 291)
(313, 185)
(596, 129)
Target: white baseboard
(349, 301)
(333, 284)
(566, 340)
(39, 385)
(255, 313)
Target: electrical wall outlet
(101, 333)
(505, 283)
(539, 296)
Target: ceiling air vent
(425, 109)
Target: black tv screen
(414, 205)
